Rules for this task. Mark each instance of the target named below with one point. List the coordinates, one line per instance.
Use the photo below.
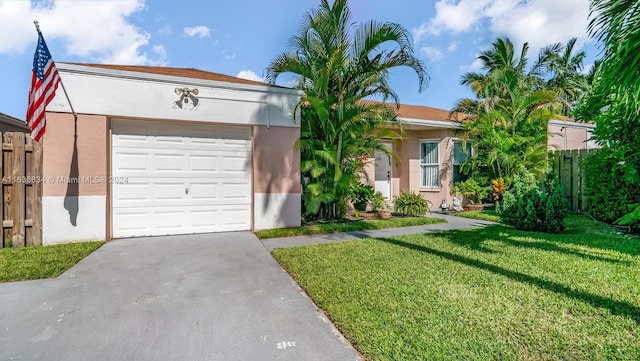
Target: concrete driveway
(198, 297)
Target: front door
(383, 172)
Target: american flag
(44, 81)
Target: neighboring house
(160, 151)
(11, 124)
(430, 155)
(568, 134)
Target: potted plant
(361, 194)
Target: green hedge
(610, 194)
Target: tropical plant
(411, 204)
(567, 80)
(342, 67)
(361, 195)
(378, 203)
(614, 101)
(471, 190)
(508, 119)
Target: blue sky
(241, 37)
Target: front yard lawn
(491, 216)
(480, 294)
(347, 226)
(42, 262)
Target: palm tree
(566, 79)
(342, 67)
(508, 121)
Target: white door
(171, 178)
(383, 172)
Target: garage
(177, 178)
(153, 151)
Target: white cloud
(227, 55)
(249, 75)
(162, 55)
(107, 38)
(201, 31)
(432, 53)
(473, 67)
(165, 30)
(453, 46)
(539, 22)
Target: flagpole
(75, 116)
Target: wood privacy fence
(567, 164)
(21, 165)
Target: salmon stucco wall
(567, 138)
(276, 177)
(75, 178)
(408, 168)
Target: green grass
(480, 294)
(491, 216)
(42, 262)
(347, 226)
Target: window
(460, 154)
(429, 164)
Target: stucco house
(431, 153)
(159, 151)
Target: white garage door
(173, 178)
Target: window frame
(423, 165)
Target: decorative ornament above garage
(188, 99)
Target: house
(161, 151)
(431, 152)
(11, 124)
(569, 134)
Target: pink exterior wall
(567, 138)
(408, 168)
(92, 156)
(276, 160)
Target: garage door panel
(181, 178)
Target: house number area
(65, 180)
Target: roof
(15, 122)
(179, 72)
(424, 112)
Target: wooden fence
(21, 165)
(567, 164)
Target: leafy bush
(471, 191)
(610, 194)
(361, 194)
(411, 204)
(378, 203)
(530, 208)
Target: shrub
(361, 194)
(378, 203)
(471, 191)
(530, 208)
(610, 194)
(411, 204)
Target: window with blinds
(429, 164)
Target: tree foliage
(509, 116)
(614, 100)
(341, 66)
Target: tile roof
(424, 112)
(180, 72)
